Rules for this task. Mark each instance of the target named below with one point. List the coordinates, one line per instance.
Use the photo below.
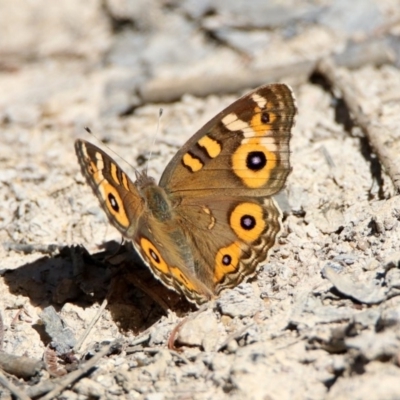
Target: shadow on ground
(116, 273)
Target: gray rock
(235, 304)
(369, 293)
(374, 346)
(203, 330)
(63, 339)
(375, 385)
(363, 17)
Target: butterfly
(211, 220)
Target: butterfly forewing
(244, 150)
(118, 196)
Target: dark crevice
(339, 230)
(330, 382)
(319, 80)
(130, 110)
(374, 165)
(342, 113)
(291, 326)
(343, 117)
(358, 365)
(117, 24)
(213, 37)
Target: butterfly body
(211, 219)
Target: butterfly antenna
(88, 130)
(160, 113)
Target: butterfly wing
(161, 246)
(165, 248)
(118, 195)
(243, 149)
(229, 236)
(222, 180)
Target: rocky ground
(322, 318)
